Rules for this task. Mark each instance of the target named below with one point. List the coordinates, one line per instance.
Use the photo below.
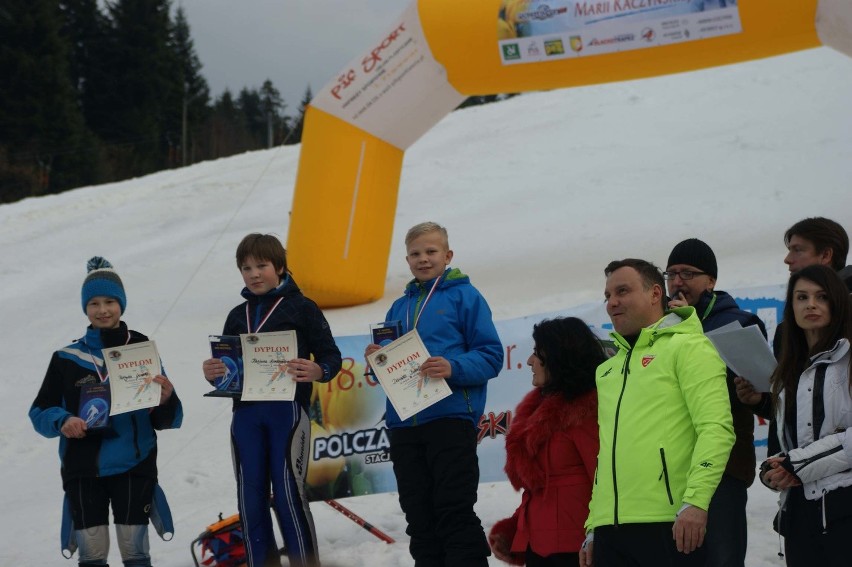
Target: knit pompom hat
(102, 280)
(694, 252)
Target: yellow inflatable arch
(438, 52)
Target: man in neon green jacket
(665, 428)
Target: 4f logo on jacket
(646, 360)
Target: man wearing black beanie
(691, 273)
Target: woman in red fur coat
(552, 449)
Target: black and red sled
(222, 543)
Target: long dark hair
(794, 346)
(569, 353)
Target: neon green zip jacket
(665, 424)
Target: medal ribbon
(422, 307)
(248, 320)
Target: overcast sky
(292, 42)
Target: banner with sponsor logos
(349, 442)
(539, 30)
(436, 52)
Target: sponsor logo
(511, 51)
(648, 34)
(554, 47)
(492, 425)
(576, 43)
(620, 38)
(646, 360)
(352, 443)
(89, 379)
(300, 459)
(375, 458)
(533, 50)
(543, 12)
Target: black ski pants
(437, 475)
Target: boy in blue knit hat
(114, 465)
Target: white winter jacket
(823, 458)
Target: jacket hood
(680, 320)
(96, 339)
(450, 277)
(832, 355)
(723, 302)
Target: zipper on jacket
(97, 459)
(665, 474)
(597, 468)
(799, 465)
(135, 436)
(624, 372)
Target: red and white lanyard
(248, 319)
(422, 307)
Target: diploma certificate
(131, 370)
(266, 375)
(397, 368)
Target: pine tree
(44, 144)
(83, 27)
(196, 92)
(228, 133)
(273, 109)
(296, 134)
(249, 103)
(135, 103)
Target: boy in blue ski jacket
(271, 440)
(116, 465)
(434, 452)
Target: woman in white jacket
(812, 397)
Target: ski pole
(360, 521)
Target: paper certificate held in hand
(266, 375)
(397, 368)
(746, 352)
(131, 370)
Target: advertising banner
(540, 30)
(349, 441)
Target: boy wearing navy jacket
(434, 452)
(270, 440)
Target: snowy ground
(538, 193)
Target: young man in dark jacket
(691, 280)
